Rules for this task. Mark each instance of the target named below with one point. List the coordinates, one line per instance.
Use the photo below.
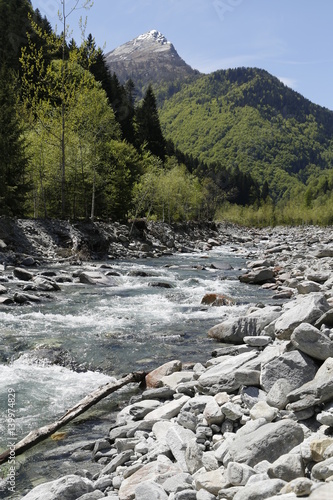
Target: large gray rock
(223, 377)
(234, 330)
(205, 495)
(326, 319)
(308, 287)
(324, 252)
(322, 470)
(307, 309)
(68, 487)
(277, 395)
(129, 429)
(188, 494)
(232, 411)
(312, 341)
(299, 487)
(213, 413)
(96, 278)
(258, 276)
(209, 461)
(94, 495)
(287, 467)
(178, 482)
(118, 460)
(286, 496)
(150, 490)
(45, 284)
(263, 410)
(193, 456)
(22, 274)
(252, 395)
(177, 438)
(322, 492)
(222, 451)
(136, 411)
(239, 474)
(157, 471)
(212, 481)
(167, 410)
(316, 391)
(188, 416)
(260, 490)
(295, 366)
(268, 442)
(318, 277)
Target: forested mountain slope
(247, 119)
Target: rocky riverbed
(255, 421)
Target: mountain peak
(150, 42)
(148, 58)
(154, 36)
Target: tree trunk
(38, 435)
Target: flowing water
(107, 332)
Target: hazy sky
(292, 39)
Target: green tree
(148, 125)
(64, 15)
(94, 123)
(168, 194)
(14, 24)
(90, 124)
(12, 148)
(119, 171)
(39, 84)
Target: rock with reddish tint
(153, 379)
(215, 299)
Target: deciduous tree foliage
(90, 125)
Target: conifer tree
(149, 130)
(128, 112)
(12, 153)
(14, 24)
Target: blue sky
(292, 39)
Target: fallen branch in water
(38, 435)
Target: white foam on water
(43, 392)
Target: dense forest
(246, 120)
(75, 143)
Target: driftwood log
(38, 435)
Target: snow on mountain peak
(155, 36)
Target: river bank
(62, 241)
(254, 420)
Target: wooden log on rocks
(38, 435)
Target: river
(107, 332)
